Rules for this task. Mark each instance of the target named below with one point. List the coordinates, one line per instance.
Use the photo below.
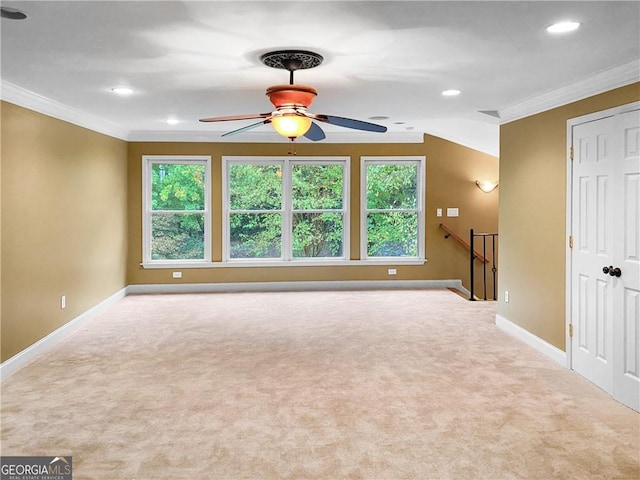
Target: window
(392, 218)
(176, 209)
(285, 209)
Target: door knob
(614, 272)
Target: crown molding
(22, 97)
(272, 137)
(33, 101)
(598, 83)
(593, 85)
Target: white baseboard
(554, 353)
(294, 286)
(15, 363)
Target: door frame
(572, 122)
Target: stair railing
(484, 236)
(461, 241)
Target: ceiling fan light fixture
(291, 125)
(290, 119)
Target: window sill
(280, 263)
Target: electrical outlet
(63, 302)
(506, 296)
(438, 212)
(392, 271)
(177, 274)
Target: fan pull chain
(292, 146)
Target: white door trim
(572, 122)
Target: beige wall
(533, 176)
(1, 105)
(64, 203)
(71, 218)
(451, 171)
(71, 212)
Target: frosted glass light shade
(486, 186)
(291, 125)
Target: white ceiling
(196, 59)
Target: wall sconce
(486, 186)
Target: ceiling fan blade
(236, 117)
(350, 123)
(315, 133)
(248, 127)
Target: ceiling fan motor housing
(291, 95)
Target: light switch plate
(452, 212)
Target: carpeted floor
(329, 385)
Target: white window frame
(420, 161)
(147, 162)
(286, 210)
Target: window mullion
(146, 209)
(364, 213)
(392, 210)
(287, 207)
(177, 211)
(249, 212)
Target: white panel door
(626, 310)
(605, 274)
(592, 227)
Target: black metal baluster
(472, 256)
(484, 265)
(493, 268)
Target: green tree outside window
(392, 209)
(177, 211)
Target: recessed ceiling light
(451, 93)
(399, 123)
(563, 27)
(122, 90)
(173, 121)
(12, 13)
(379, 117)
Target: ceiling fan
(291, 118)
